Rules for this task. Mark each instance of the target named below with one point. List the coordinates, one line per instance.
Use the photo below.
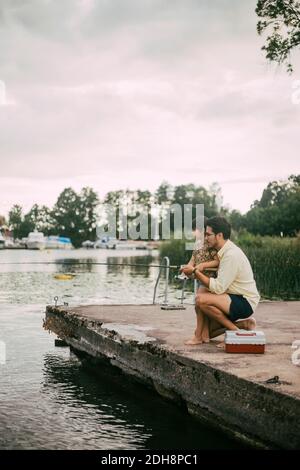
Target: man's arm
(202, 278)
(208, 264)
(190, 270)
(190, 265)
(226, 275)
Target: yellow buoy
(64, 277)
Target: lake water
(48, 399)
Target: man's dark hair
(196, 222)
(220, 225)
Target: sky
(117, 94)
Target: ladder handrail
(167, 268)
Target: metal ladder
(166, 305)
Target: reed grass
(275, 262)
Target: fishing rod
(78, 263)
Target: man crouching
(232, 296)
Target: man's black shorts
(239, 308)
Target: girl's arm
(192, 261)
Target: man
(232, 295)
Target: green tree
(236, 220)
(15, 220)
(66, 214)
(278, 210)
(114, 197)
(38, 218)
(191, 194)
(282, 19)
(188, 194)
(133, 203)
(164, 193)
(144, 198)
(142, 203)
(75, 214)
(89, 202)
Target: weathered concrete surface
(227, 390)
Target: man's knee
(201, 299)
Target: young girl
(203, 257)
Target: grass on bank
(275, 262)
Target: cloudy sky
(127, 93)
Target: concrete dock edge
(245, 410)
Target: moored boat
(36, 241)
(2, 241)
(57, 243)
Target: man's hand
(187, 270)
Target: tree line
(75, 214)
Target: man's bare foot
(193, 341)
(250, 324)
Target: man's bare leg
(217, 307)
(202, 332)
(217, 314)
(209, 326)
(248, 324)
(216, 329)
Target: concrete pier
(229, 391)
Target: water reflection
(38, 283)
(90, 408)
(49, 399)
(131, 265)
(71, 265)
(110, 411)
(136, 265)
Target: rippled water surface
(48, 398)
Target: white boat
(87, 244)
(36, 241)
(52, 242)
(2, 241)
(105, 242)
(129, 245)
(11, 244)
(55, 242)
(115, 244)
